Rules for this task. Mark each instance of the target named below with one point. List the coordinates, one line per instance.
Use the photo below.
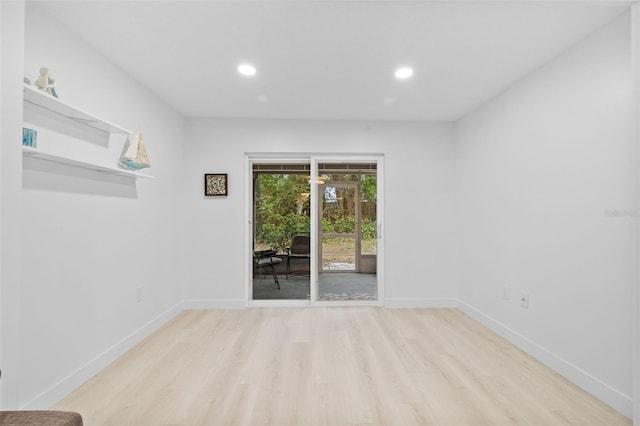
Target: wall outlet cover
(505, 292)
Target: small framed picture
(215, 184)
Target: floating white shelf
(34, 152)
(34, 96)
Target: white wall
(90, 240)
(11, 60)
(419, 195)
(547, 190)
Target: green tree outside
(282, 208)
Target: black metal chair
(300, 249)
(267, 259)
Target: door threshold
(307, 303)
(278, 303)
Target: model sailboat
(134, 156)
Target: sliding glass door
(314, 231)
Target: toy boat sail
(134, 156)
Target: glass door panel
(347, 250)
(281, 216)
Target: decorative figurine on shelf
(134, 156)
(46, 82)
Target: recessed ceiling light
(246, 69)
(402, 73)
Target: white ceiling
(331, 59)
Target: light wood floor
(331, 366)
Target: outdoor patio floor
(334, 286)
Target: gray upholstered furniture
(40, 418)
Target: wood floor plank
(331, 366)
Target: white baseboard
(207, 304)
(614, 398)
(442, 302)
(65, 386)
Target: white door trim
(635, 72)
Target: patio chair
(267, 259)
(300, 249)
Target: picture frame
(215, 184)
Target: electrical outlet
(505, 292)
(138, 294)
(524, 300)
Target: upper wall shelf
(34, 96)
